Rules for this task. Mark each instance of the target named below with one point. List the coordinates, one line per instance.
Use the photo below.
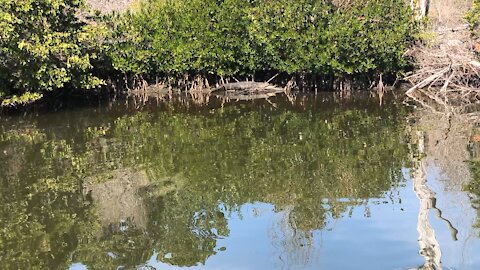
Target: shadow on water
(181, 184)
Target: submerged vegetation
(53, 46)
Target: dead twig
(448, 74)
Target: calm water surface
(312, 183)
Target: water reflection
(429, 246)
(442, 143)
(292, 186)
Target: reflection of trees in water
(474, 165)
(199, 169)
(442, 144)
(40, 213)
(446, 140)
(118, 197)
(295, 246)
(451, 144)
(429, 246)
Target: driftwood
(245, 85)
(241, 91)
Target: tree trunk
(420, 8)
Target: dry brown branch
(447, 73)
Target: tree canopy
(44, 47)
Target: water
(315, 183)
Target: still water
(311, 182)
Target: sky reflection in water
(314, 184)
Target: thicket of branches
(447, 74)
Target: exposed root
(198, 91)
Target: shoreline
(119, 54)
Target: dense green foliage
(44, 47)
(50, 45)
(236, 37)
(331, 162)
(473, 18)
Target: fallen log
(241, 91)
(245, 85)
